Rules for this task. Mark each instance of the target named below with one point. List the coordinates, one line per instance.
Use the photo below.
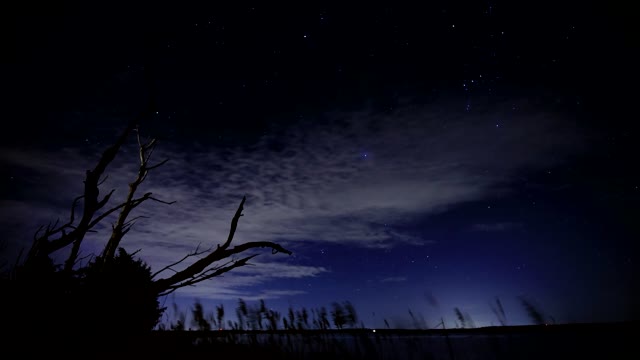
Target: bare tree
(57, 237)
(102, 286)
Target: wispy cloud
(338, 179)
(253, 282)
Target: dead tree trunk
(214, 263)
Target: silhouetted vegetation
(498, 311)
(534, 313)
(110, 303)
(112, 298)
(317, 338)
(464, 319)
(343, 315)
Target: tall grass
(334, 332)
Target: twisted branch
(122, 226)
(189, 276)
(170, 266)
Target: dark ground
(573, 341)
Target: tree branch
(103, 180)
(42, 245)
(91, 204)
(105, 214)
(161, 201)
(210, 270)
(222, 252)
(121, 226)
(104, 201)
(218, 272)
(194, 253)
(234, 223)
(158, 164)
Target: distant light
(374, 330)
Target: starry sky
(419, 158)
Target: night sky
(419, 158)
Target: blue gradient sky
(402, 176)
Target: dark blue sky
(411, 158)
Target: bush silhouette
(96, 306)
(122, 291)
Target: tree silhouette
(113, 292)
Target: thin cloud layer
(252, 282)
(352, 179)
